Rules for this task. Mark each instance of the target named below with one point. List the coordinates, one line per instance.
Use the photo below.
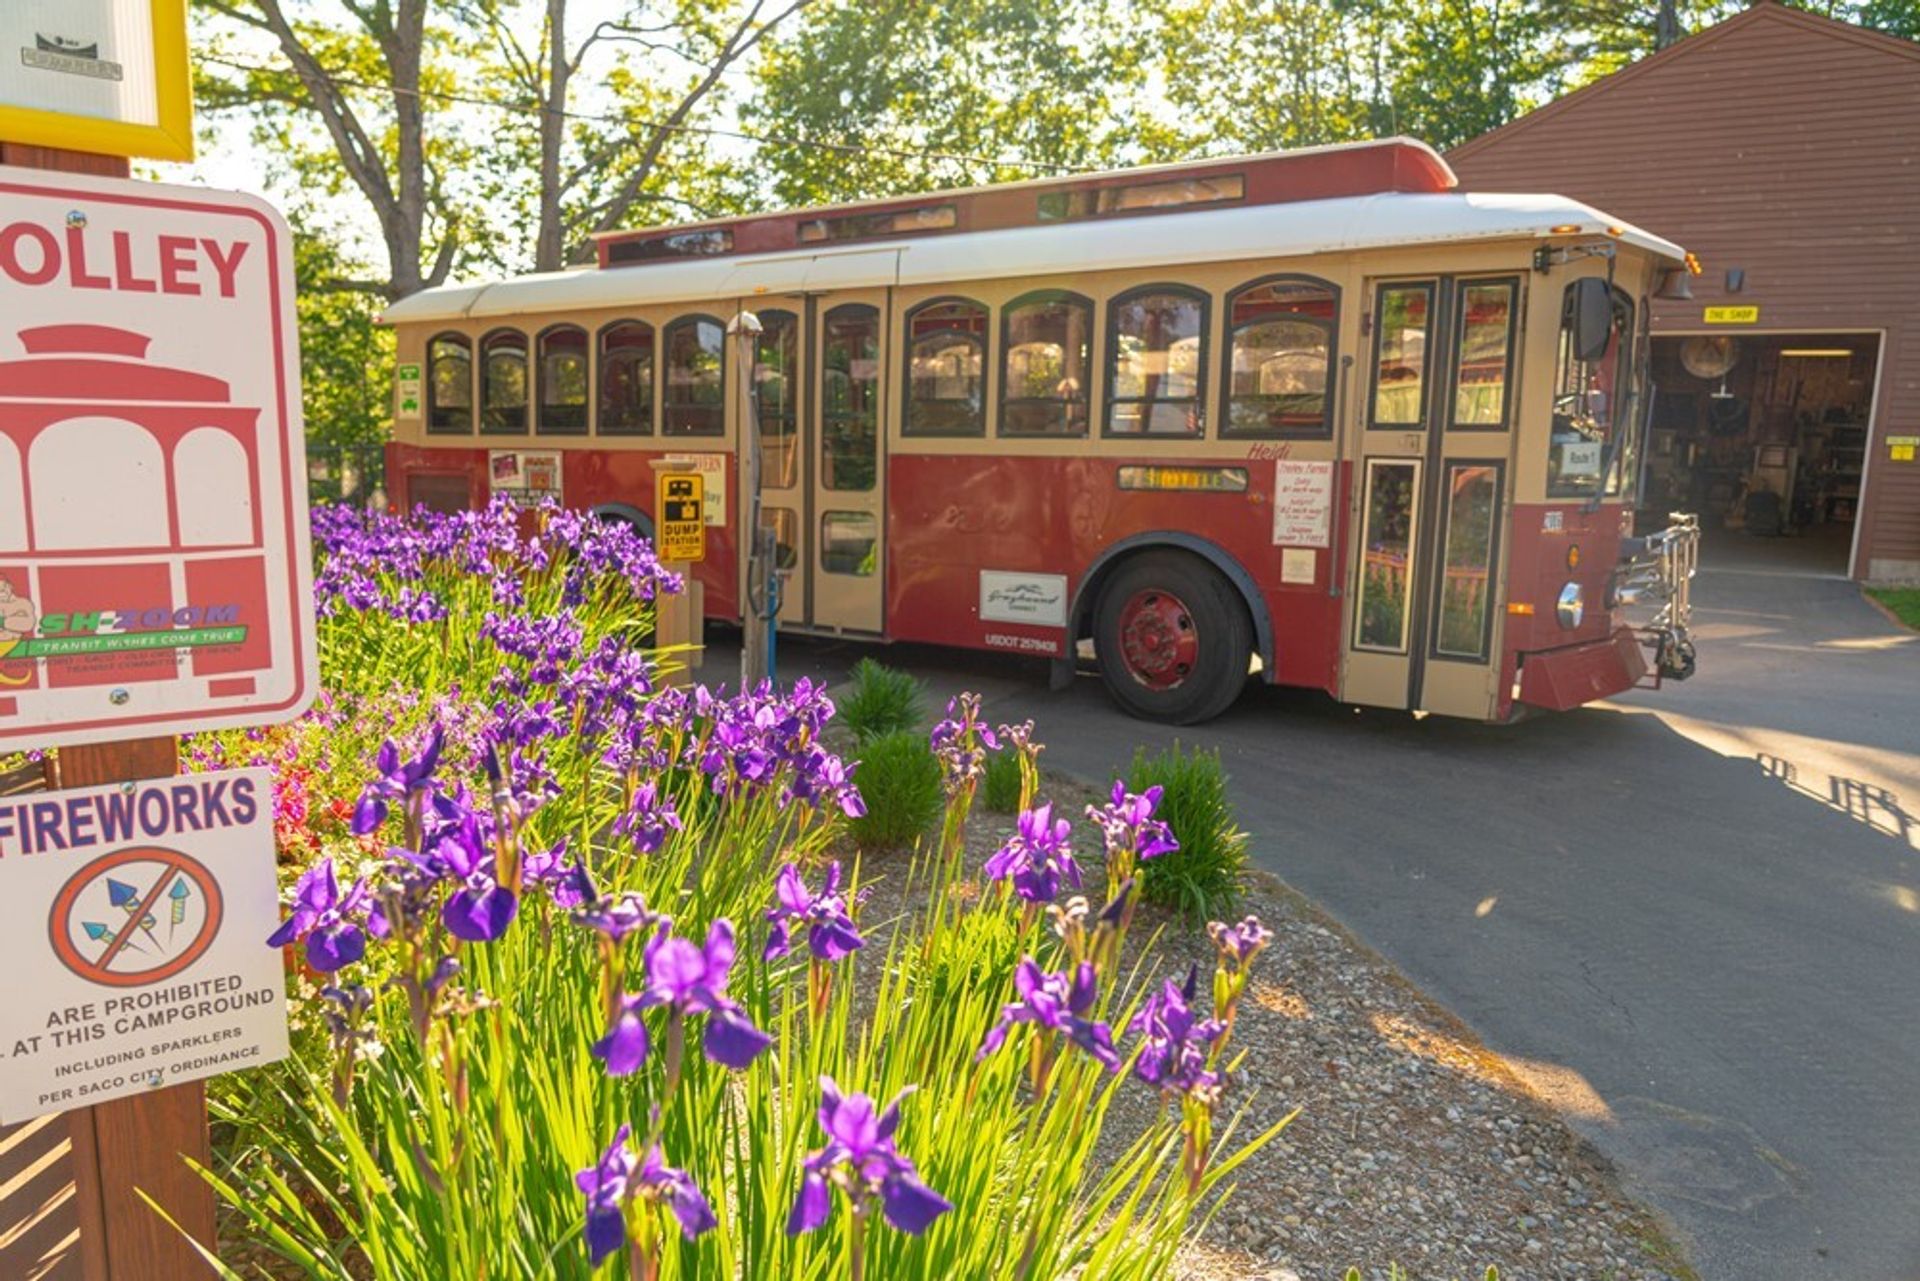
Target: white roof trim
(1341, 225)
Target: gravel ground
(1415, 1145)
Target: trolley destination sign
(148, 963)
(154, 563)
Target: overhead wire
(713, 131)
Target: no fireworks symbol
(135, 916)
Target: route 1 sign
(681, 532)
(155, 575)
(141, 958)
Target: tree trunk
(549, 248)
(1666, 25)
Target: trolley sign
(154, 563)
(151, 966)
(681, 532)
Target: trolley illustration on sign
(149, 579)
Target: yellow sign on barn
(1733, 315)
(680, 531)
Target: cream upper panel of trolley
(1304, 229)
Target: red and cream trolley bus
(1316, 412)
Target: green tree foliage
(346, 360)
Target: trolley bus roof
(1341, 225)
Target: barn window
(626, 379)
(696, 384)
(1047, 341)
(946, 368)
(503, 382)
(563, 380)
(1156, 358)
(1280, 352)
(450, 384)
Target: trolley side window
(1156, 358)
(562, 380)
(1402, 316)
(1280, 354)
(503, 382)
(946, 369)
(1483, 359)
(626, 379)
(1046, 342)
(450, 384)
(1590, 400)
(696, 377)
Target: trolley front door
(1430, 490)
(847, 360)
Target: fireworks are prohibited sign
(140, 958)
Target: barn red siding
(1783, 144)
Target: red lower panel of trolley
(1563, 679)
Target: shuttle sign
(155, 576)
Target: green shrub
(880, 700)
(899, 779)
(1003, 782)
(1200, 880)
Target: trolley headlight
(1571, 607)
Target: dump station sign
(138, 956)
(154, 564)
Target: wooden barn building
(1783, 149)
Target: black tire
(1202, 603)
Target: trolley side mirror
(1592, 318)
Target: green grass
(1902, 602)
(900, 781)
(1200, 880)
(1002, 791)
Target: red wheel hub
(1158, 640)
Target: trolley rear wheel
(1172, 637)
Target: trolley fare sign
(154, 567)
(140, 959)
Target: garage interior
(1765, 437)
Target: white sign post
(154, 564)
(141, 959)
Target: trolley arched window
(503, 382)
(222, 513)
(626, 379)
(1156, 362)
(450, 384)
(946, 369)
(1280, 356)
(850, 397)
(562, 380)
(117, 461)
(776, 381)
(1046, 340)
(696, 377)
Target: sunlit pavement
(1693, 917)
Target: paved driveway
(1693, 917)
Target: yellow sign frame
(677, 536)
(169, 139)
(1748, 314)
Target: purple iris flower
(621, 915)
(860, 1147)
(617, 1178)
(481, 908)
(961, 741)
(569, 885)
(649, 819)
(1055, 1002)
(692, 979)
(1037, 856)
(1174, 1044)
(325, 918)
(1128, 822)
(396, 781)
(830, 930)
(1240, 942)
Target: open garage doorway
(1765, 437)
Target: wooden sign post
(99, 272)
